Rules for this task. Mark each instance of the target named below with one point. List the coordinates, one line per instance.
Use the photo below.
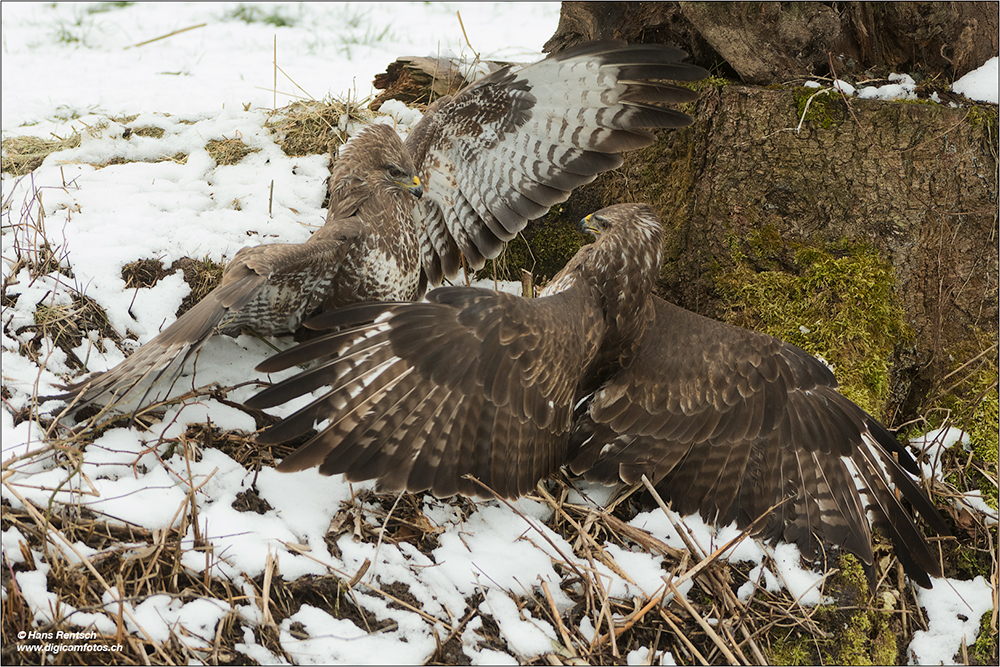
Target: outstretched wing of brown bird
(498, 154)
(473, 382)
(508, 147)
(604, 376)
(729, 422)
(272, 288)
(262, 287)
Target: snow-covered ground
(67, 67)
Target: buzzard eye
(395, 172)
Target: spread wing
(421, 394)
(728, 422)
(266, 287)
(508, 147)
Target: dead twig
(169, 34)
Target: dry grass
(202, 275)
(22, 155)
(313, 127)
(302, 128)
(709, 625)
(57, 323)
(65, 326)
(228, 151)
(144, 273)
(30, 242)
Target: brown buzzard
(497, 154)
(366, 250)
(604, 376)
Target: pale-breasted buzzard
(497, 154)
(604, 376)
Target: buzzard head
(375, 173)
(634, 227)
(408, 182)
(378, 154)
(594, 224)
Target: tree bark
(774, 42)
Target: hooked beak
(416, 189)
(590, 225)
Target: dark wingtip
(273, 364)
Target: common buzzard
(600, 374)
(366, 250)
(497, 154)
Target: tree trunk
(774, 42)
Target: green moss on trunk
(839, 304)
